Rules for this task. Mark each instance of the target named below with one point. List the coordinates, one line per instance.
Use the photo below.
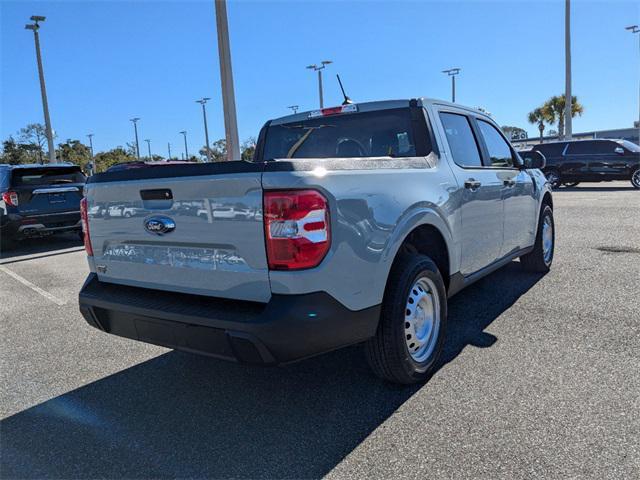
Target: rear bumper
(35, 225)
(286, 329)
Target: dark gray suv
(569, 163)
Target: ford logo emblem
(159, 225)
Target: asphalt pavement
(541, 378)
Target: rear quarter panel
(374, 205)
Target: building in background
(630, 134)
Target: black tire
(554, 178)
(635, 179)
(387, 352)
(571, 184)
(535, 260)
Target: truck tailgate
(193, 234)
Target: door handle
(509, 183)
(472, 184)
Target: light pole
(568, 98)
(452, 72)
(319, 69)
(43, 90)
(635, 29)
(186, 152)
(169, 149)
(135, 129)
(294, 108)
(90, 135)
(226, 76)
(202, 101)
(148, 147)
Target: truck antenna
(347, 100)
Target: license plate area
(57, 198)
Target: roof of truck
(379, 105)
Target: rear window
(382, 133)
(4, 179)
(47, 176)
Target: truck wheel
(541, 257)
(412, 324)
(635, 179)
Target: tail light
(10, 198)
(85, 226)
(297, 228)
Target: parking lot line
(33, 287)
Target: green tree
(218, 151)
(554, 109)
(513, 133)
(15, 153)
(104, 160)
(248, 148)
(540, 117)
(34, 135)
(74, 151)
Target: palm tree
(539, 116)
(554, 108)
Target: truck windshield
(381, 133)
(47, 176)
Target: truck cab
(352, 224)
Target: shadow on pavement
(47, 246)
(580, 188)
(181, 415)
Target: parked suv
(37, 200)
(569, 163)
(371, 216)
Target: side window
(461, 140)
(499, 151)
(551, 149)
(604, 147)
(584, 147)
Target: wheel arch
(429, 235)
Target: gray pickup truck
(351, 224)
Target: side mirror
(533, 159)
(619, 150)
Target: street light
(186, 152)
(169, 149)
(568, 96)
(45, 105)
(90, 135)
(148, 147)
(319, 69)
(135, 129)
(294, 108)
(226, 78)
(452, 72)
(636, 29)
(202, 101)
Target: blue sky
(108, 61)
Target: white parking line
(33, 287)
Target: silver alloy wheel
(422, 319)
(547, 239)
(635, 178)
